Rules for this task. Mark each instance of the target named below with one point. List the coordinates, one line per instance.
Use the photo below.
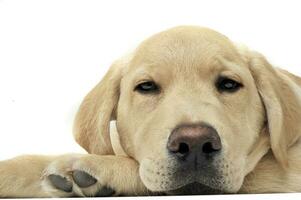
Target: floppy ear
(280, 94)
(92, 122)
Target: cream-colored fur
(259, 125)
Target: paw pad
(60, 182)
(83, 179)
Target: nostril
(208, 148)
(183, 148)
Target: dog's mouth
(184, 180)
(195, 188)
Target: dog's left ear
(281, 97)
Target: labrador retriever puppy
(194, 114)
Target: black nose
(198, 140)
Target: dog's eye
(224, 84)
(147, 87)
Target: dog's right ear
(92, 122)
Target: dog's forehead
(185, 46)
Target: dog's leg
(70, 175)
(21, 176)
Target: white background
(53, 52)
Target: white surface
(53, 52)
(292, 196)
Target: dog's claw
(60, 182)
(83, 179)
(105, 192)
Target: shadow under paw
(105, 192)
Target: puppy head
(192, 109)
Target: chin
(195, 189)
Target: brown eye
(224, 84)
(147, 87)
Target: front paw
(70, 179)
